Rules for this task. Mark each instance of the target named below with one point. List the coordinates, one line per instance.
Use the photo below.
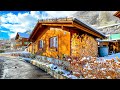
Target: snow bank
(113, 56)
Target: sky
(12, 22)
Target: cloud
(22, 22)
(12, 35)
(3, 31)
(60, 13)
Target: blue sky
(12, 22)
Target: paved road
(13, 68)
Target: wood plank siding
(45, 32)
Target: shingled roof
(23, 35)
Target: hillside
(97, 18)
(104, 21)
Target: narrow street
(14, 68)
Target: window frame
(52, 42)
(41, 43)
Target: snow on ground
(113, 56)
(21, 52)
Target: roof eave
(81, 23)
(117, 13)
(31, 35)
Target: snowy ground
(113, 56)
(30, 72)
(16, 52)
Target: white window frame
(54, 42)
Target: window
(41, 44)
(54, 42)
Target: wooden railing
(56, 19)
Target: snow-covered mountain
(97, 18)
(104, 21)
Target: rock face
(104, 21)
(97, 18)
(110, 29)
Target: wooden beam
(53, 22)
(65, 28)
(68, 25)
(86, 30)
(41, 33)
(36, 31)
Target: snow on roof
(23, 35)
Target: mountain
(103, 21)
(97, 18)
(28, 32)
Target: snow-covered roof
(23, 35)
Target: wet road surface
(14, 68)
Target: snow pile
(86, 68)
(113, 56)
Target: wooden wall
(115, 46)
(83, 45)
(70, 42)
(104, 44)
(63, 42)
(24, 40)
(30, 48)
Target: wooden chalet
(21, 40)
(64, 36)
(117, 14)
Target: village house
(64, 36)
(21, 40)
